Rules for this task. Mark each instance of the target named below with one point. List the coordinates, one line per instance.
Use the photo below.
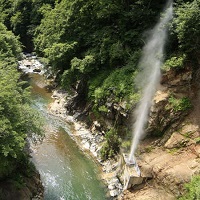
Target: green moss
(176, 104)
(173, 150)
(148, 149)
(188, 134)
(192, 189)
(197, 140)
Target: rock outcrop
(172, 156)
(31, 188)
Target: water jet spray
(147, 80)
(149, 77)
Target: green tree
(111, 146)
(22, 17)
(187, 26)
(17, 119)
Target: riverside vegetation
(17, 120)
(92, 49)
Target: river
(66, 172)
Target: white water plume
(149, 77)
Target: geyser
(149, 77)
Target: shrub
(117, 86)
(126, 145)
(111, 146)
(192, 189)
(176, 62)
(96, 81)
(182, 104)
(187, 26)
(197, 140)
(103, 109)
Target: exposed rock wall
(164, 118)
(31, 189)
(173, 157)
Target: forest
(91, 48)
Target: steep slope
(173, 158)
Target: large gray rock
(114, 193)
(175, 141)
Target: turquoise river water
(66, 172)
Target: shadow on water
(67, 174)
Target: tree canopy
(97, 44)
(17, 119)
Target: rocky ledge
(31, 188)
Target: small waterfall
(149, 77)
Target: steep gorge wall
(171, 148)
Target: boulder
(111, 187)
(114, 193)
(86, 145)
(175, 141)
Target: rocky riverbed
(89, 140)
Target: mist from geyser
(149, 76)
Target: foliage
(10, 47)
(96, 81)
(126, 145)
(182, 104)
(58, 53)
(14, 106)
(118, 86)
(192, 189)
(82, 39)
(99, 42)
(108, 31)
(79, 67)
(84, 65)
(197, 140)
(187, 26)
(22, 17)
(111, 146)
(103, 109)
(176, 62)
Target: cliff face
(172, 156)
(31, 188)
(172, 102)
